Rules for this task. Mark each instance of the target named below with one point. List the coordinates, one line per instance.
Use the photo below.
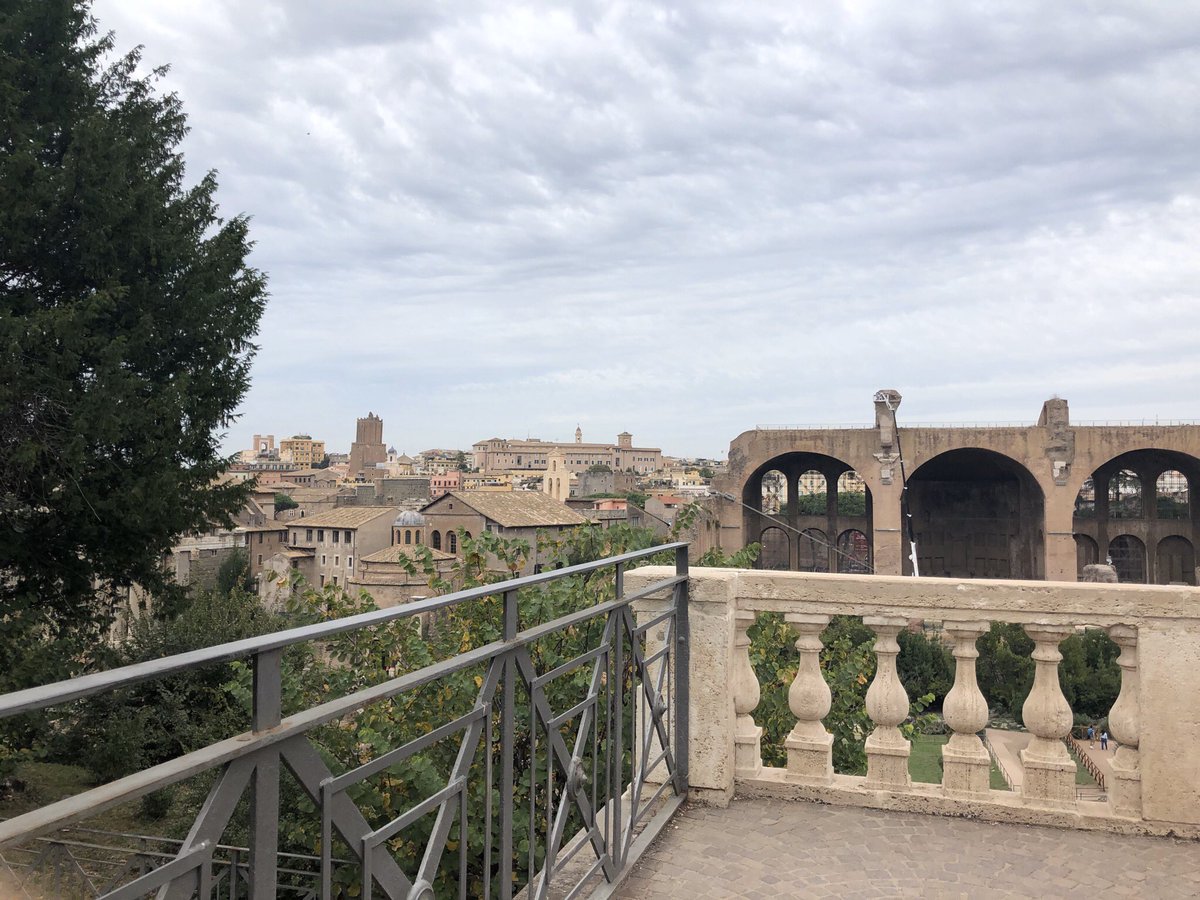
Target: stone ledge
(999, 806)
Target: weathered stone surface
(772, 848)
(1164, 621)
(1098, 573)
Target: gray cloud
(492, 218)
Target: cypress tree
(127, 313)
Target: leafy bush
(926, 666)
(119, 732)
(1088, 674)
(848, 664)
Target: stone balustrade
(1155, 720)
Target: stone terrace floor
(772, 848)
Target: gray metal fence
(594, 782)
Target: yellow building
(302, 450)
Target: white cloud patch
(502, 218)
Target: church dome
(409, 519)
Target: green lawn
(924, 764)
(1082, 775)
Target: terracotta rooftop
(346, 517)
(515, 509)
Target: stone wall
(1156, 719)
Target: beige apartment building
(533, 455)
(261, 542)
(301, 450)
(323, 547)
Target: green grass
(1082, 775)
(925, 762)
(995, 780)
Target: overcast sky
(683, 220)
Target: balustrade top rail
(906, 426)
(938, 598)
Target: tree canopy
(127, 312)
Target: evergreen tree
(127, 311)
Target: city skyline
(498, 220)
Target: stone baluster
(965, 761)
(887, 705)
(747, 736)
(1049, 771)
(1124, 726)
(809, 746)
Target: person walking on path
(1091, 733)
(1104, 740)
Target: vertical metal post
(234, 862)
(508, 715)
(616, 776)
(682, 673)
(264, 805)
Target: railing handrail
(987, 742)
(86, 685)
(909, 426)
(1086, 761)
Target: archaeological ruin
(1032, 502)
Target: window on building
(408, 536)
(260, 559)
(437, 540)
(321, 535)
(247, 541)
(335, 581)
(337, 560)
(452, 542)
(322, 559)
(350, 563)
(349, 535)
(308, 534)
(322, 581)
(418, 535)
(337, 535)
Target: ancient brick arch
(977, 514)
(811, 527)
(1053, 455)
(1165, 530)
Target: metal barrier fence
(1086, 761)
(605, 774)
(89, 862)
(996, 761)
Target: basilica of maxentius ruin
(986, 501)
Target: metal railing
(1082, 757)
(89, 862)
(987, 743)
(604, 774)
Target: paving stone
(772, 848)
